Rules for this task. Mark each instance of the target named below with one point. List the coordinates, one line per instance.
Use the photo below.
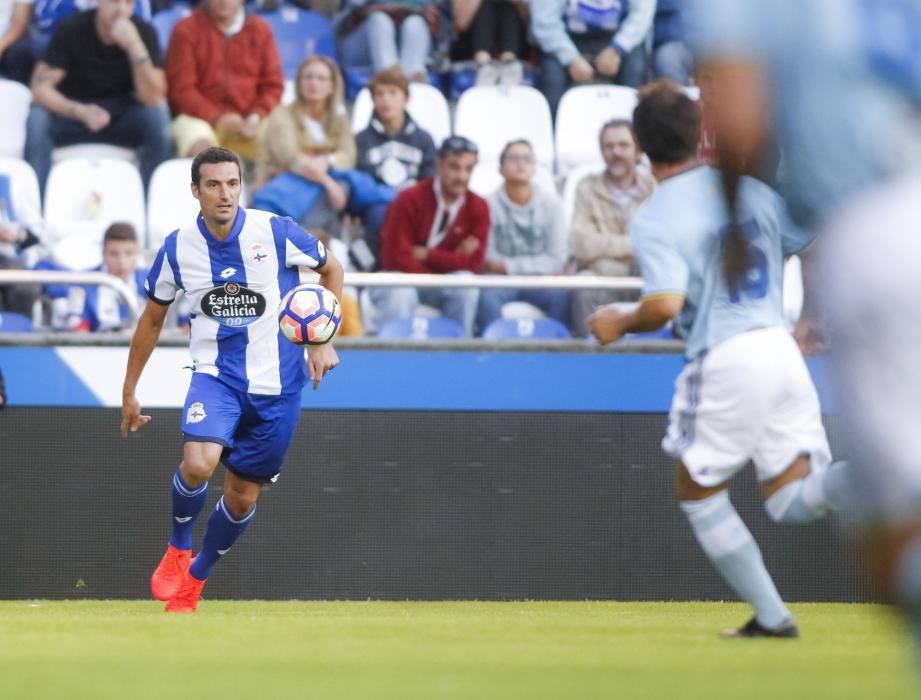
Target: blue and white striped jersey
(234, 287)
(845, 79)
(677, 239)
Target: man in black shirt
(100, 81)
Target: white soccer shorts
(747, 398)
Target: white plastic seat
(26, 200)
(427, 106)
(94, 151)
(582, 111)
(16, 99)
(493, 116)
(486, 179)
(82, 198)
(573, 179)
(169, 200)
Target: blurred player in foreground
(244, 400)
(838, 84)
(745, 393)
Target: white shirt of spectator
(315, 129)
(624, 198)
(438, 231)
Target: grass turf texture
(256, 650)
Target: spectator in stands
(494, 33)
(527, 236)
(20, 231)
(16, 56)
(367, 35)
(311, 136)
(100, 81)
(671, 56)
(437, 226)
(581, 42)
(604, 205)
(99, 308)
(224, 76)
(393, 149)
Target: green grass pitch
(380, 650)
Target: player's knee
(788, 505)
(196, 470)
(239, 504)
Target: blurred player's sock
(221, 533)
(735, 554)
(187, 504)
(907, 583)
(805, 500)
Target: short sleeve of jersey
(301, 248)
(663, 268)
(163, 281)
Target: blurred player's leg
(871, 287)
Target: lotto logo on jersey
(232, 304)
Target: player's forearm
(650, 315)
(143, 343)
(331, 275)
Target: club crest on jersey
(196, 413)
(231, 304)
(258, 255)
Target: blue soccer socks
(222, 531)
(187, 504)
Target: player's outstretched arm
(142, 344)
(609, 323)
(322, 358)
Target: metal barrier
(127, 295)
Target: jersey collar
(234, 231)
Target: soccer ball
(309, 315)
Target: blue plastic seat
(165, 20)
(300, 34)
(526, 329)
(420, 328)
(11, 322)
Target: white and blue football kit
(745, 392)
(247, 379)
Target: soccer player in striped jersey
(234, 265)
(745, 393)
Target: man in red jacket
(224, 76)
(437, 226)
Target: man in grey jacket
(583, 41)
(527, 237)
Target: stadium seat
(493, 116)
(25, 191)
(15, 99)
(92, 151)
(289, 92)
(421, 328)
(526, 329)
(521, 310)
(11, 322)
(299, 34)
(169, 200)
(573, 179)
(82, 198)
(581, 113)
(427, 106)
(165, 20)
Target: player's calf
(811, 497)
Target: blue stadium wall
(414, 474)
